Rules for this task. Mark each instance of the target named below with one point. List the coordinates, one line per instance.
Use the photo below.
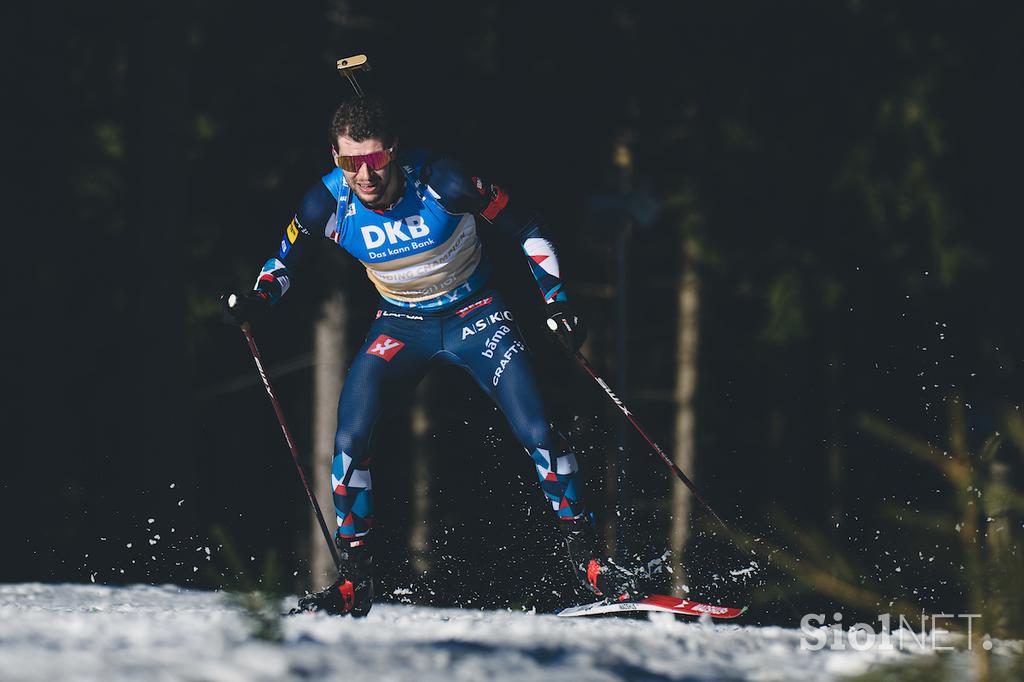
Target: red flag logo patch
(385, 347)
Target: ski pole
(672, 465)
(650, 441)
(247, 330)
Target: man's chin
(369, 200)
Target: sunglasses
(373, 160)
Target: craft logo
(385, 347)
(506, 358)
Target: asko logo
(385, 347)
(394, 232)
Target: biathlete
(411, 219)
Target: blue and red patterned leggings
(482, 338)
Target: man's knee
(351, 440)
(538, 433)
(345, 459)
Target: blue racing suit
(425, 259)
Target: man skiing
(411, 219)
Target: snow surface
(142, 633)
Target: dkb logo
(374, 236)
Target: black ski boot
(604, 578)
(352, 592)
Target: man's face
(371, 186)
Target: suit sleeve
(316, 209)
(459, 192)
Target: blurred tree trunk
(685, 391)
(622, 179)
(330, 349)
(834, 405)
(419, 526)
(1002, 551)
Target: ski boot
(603, 578)
(352, 592)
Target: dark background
(850, 171)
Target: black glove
(566, 326)
(242, 308)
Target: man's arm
(315, 210)
(317, 207)
(458, 192)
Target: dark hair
(362, 118)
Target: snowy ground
(142, 633)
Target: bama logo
(394, 232)
(385, 347)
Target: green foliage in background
(257, 597)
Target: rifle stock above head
(359, 62)
(348, 67)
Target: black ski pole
(650, 441)
(665, 458)
(291, 443)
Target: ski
(655, 602)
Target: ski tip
(656, 602)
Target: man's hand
(566, 326)
(246, 307)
